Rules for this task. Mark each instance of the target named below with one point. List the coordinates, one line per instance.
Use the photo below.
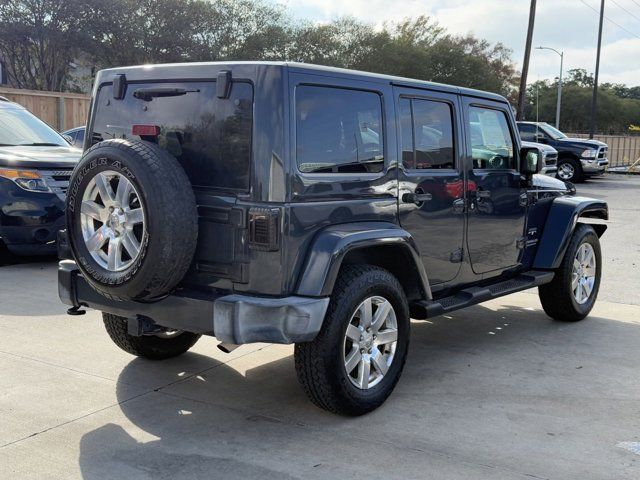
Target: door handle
(483, 193)
(416, 197)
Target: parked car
(291, 203)
(578, 158)
(35, 167)
(549, 157)
(75, 136)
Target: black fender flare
(561, 222)
(330, 246)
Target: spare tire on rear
(132, 219)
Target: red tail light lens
(146, 130)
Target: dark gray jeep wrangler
(290, 203)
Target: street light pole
(558, 102)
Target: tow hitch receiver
(139, 326)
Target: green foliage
(618, 105)
(40, 38)
(127, 32)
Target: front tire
(152, 347)
(574, 289)
(570, 170)
(354, 363)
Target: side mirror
(530, 161)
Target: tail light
(264, 227)
(145, 130)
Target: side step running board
(473, 295)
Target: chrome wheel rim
(566, 171)
(583, 276)
(370, 342)
(113, 221)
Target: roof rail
(4, 99)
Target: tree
(126, 32)
(38, 40)
(617, 108)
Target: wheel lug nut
(362, 350)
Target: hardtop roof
(310, 68)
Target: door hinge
(456, 256)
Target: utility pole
(594, 99)
(525, 65)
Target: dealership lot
(494, 391)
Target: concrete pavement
(497, 391)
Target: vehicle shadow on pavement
(502, 376)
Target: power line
(634, 1)
(610, 21)
(624, 9)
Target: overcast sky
(568, 25)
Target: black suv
(35, 167)
(291, 203)
(578, 158)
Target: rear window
(338, 130)
(210, 137)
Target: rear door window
(338, 130)
(427, 134)
(210, 137)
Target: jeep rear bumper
(235, 319)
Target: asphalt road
(497, 391)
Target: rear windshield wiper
(148, 94)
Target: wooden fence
(61, 110)
(624, 150)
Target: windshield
(553, 132)
(19, 127)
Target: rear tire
(564, 298)
(153, 347)
(322, 365)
